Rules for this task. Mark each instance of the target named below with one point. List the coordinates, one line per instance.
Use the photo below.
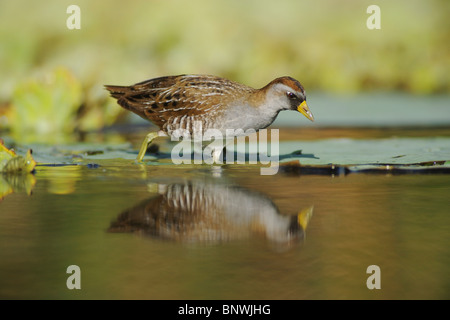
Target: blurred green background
(52, 77)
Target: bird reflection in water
(199, 211)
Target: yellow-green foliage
(15, 171)
(323, 43)
(45, 109)
(10, 162)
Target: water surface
(193, 232)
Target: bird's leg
(148, 139)
(219, 150)
(216, 155)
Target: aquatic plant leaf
(11, 162)
(344, 151)
(15, 172)
(44, 109)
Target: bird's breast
(234, 121)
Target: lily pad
(400, 151)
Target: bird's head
(289, 94)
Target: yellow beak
(304, 110)
(304, 216)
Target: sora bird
(202, 102)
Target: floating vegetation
(15, 172)
(10, 162)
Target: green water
(193, 232)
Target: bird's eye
(291, 95)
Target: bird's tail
(117, 91)
(122, 94)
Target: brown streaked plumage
(202, 102)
